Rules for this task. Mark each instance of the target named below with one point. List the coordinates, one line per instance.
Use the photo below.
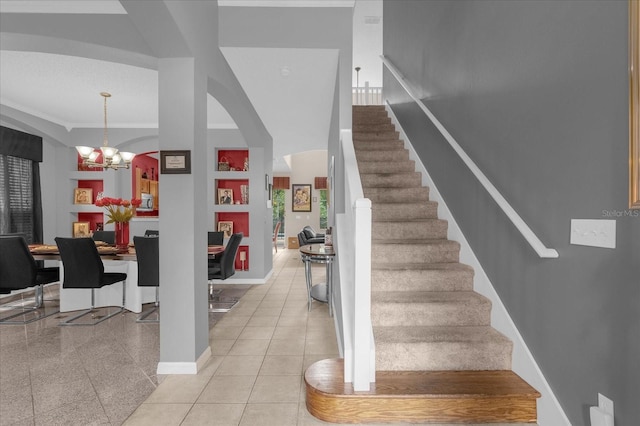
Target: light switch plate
(593, 232)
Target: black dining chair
(214, 238)
(18, 271)
(148, 257)
(221, 271)
(151, 233)
(83, 268)
(108, 237)
(226, 267)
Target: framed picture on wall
(301, 197)
(225, 196)
(175, 162)
(82, 196)
(81, 230)
(226, 226)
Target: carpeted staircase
(424, 311)
(437, 357)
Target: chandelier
(111, 158)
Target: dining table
(72, 299)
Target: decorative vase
(122, 235)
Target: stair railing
(366, 95)
(515, 218)
(354, 261)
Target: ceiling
(66, 90)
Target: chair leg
(91, 311)
(143, 317)
(23, 310)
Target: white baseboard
(550, 412)
(247, 281)
(185, 367)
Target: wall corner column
(184, 327)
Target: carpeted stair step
(368, 167)
(359, 117)
(368, 108)
(422, 251)
(409, 230)
(378, 126)
(441, 348)
(376, 136)
(367, 145)
(391, 180)
(421, 277)
(397, 195)
(370, 119)
(404, 211)
(383, 155)
(429, 308)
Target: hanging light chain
(105, 140)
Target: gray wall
(536, 92)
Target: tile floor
(105, 374)
(260, 351)
(75, 375)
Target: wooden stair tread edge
(326, 375)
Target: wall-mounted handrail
(515, 218)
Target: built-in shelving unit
(240, 172)
(94, 180)
(231, 190)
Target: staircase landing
(420, 396)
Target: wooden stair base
(420, 396)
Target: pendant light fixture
(111, 158)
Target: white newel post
(363, 363)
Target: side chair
(108, 237)
(148, 256)
(214, 238)
(83, 268)
(18, 271)
(226, 267)
(223, 270)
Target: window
(278, 210)
(20, 201)
(16, 196)
(323, 209)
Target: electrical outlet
(605, 404)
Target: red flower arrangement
(114, 211)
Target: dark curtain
(20, 197)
